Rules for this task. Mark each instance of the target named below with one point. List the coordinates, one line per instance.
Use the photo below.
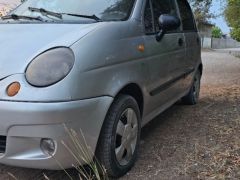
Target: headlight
(50, 67)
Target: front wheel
(193, 96)
(119, 140)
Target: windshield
(106, 10)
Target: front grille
(3, 140)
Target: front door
(165, 58)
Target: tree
(235, 34)
(201, 10)
(216, 32)
(232, 14)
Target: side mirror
(167, 23)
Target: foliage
(201, 10)
(232, 14)
(235, 34)
(216, 32)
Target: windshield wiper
(45, 12)
(94, 17)
(60, 15)
(17, 17)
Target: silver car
(103, 68)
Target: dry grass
(221, 161)
(194, 142)
(82, 153)
(218, 157)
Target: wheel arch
(136, 92)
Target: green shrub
(216, 32)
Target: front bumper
(24, 124)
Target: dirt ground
(186, 142)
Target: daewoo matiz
(105, 67)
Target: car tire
(120, 135)
(193, 96)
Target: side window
(163, 7)
(148, 19)
(188, 22)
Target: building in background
(207, 41)
(205, 29)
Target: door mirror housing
(167, 23)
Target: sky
(216, 8)
(219, 20)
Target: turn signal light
(141, 48)
(13, 89)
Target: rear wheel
(193, 96)
(119, 140)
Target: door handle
(180, 42)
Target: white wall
(207, 42)
(224, 43)
(216, 43)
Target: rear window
(188, 22)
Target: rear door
(165, 58)
(192, 39)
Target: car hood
(20, 43)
